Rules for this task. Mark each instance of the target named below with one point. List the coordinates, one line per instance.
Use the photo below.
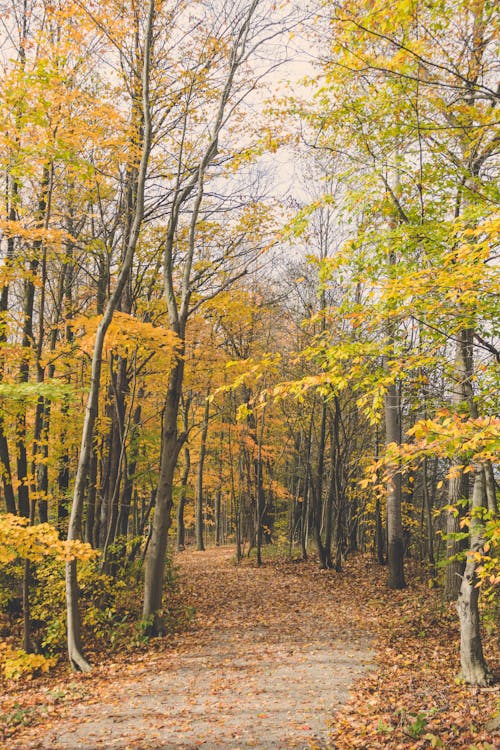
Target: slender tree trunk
(428, 517)
(457, 495)
(491, 495)
(379, 530)
(458, 490)
(128, 488)
(218, 535)
(304, 520)
(335, 497)
(181, 529)
(93, 513)
(8, 489)
(64, 461)
(26, 608)
(199, 525)
(379, 533)
(395, 546)
(219, 528)
(118, 466)
(473, 665)
(155, 561)
(260, 505)
(317, 490)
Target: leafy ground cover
(414, 698)
(267, 662)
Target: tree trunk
(335, 498)
(317, 491)
(128, 486)
(181, 530)
(491, 495)
(473, 666)
(428, 517)
(379, 533)
(395, 546)
(217, 517)
(260, 505)
(8, 489)
(117, 465)
(155, 560)
(93, 513)
(219, 530)
(26, 607)
(199, 526)
(457, 491)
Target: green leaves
(50, 389)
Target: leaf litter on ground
(245, 672)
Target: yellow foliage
(16, 663)
(127, 335)
(19, 539)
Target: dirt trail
(271, 656)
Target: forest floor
(267, 663)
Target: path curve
(271, 657)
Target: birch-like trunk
(473, 665)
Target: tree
(186, 285)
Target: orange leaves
(50, 236)
(128, 335)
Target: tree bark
(473, 665)
(457, 491)
(181, 529)
(317, 490)
(395, 546)
(155, 561)
(199, 526)
(427, 502)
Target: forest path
(271, 655)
